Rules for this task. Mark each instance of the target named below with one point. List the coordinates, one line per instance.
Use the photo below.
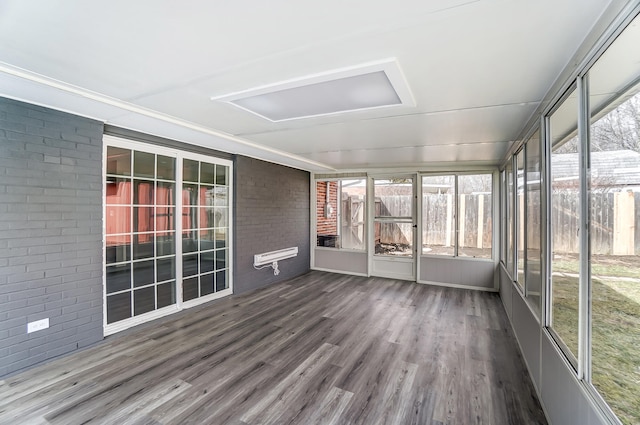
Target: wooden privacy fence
(614, 222)
(475, 225)
(614, 217)
(352, 221)
(437, 220)
(393, 206)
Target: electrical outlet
(38, 325)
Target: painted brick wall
(272, 212)
(50, 233)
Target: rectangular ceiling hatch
(369, 86)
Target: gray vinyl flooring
(319, 349)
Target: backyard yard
(615, 303)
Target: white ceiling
(477, 70)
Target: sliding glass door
(149, 271)
(205, 218)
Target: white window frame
(456, 213)
(338, 212)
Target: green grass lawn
(622, 266)
(615, 328)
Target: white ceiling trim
(126, 108)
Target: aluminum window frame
(456, 213)
(314, 219)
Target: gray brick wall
(50, 233)
(272, 212)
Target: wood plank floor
(319, 349)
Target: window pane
(352, 212)
(143, 246)
(189, 218)
(190, 171)
(190, 241)
(207, 239)
(118, 220)
(118, 278)
(144, 300)
(327, 213)
(165, 193)
(190, 194)
(207, 196)
(221, 174)
(221, 259)
(166, 168)
(166, 269)
(394, 198)
(118, 307)
(221, 220)
(438, 225)
(190, 265)
(144, 164)
(510, 210)
(143, 219)
(615, 226)
(221, 196)
(565, 210)
(221, 280)
(221, 237)
(207, 261)
(207, 173)
(118, 161)
(118, 191)
(207, 284)
(118, 248)
(165, 219)
(533, 253)
(394, 238)
(143, 192)
(166, 294)
(207, 217)
(165, 244)
(143, 273)
(503, 216)
(520, 218)
(190, 289)
(475, 219)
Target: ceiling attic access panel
(362, 87)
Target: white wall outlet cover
(37, 325)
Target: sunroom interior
(482, 145)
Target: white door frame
(403, 268)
